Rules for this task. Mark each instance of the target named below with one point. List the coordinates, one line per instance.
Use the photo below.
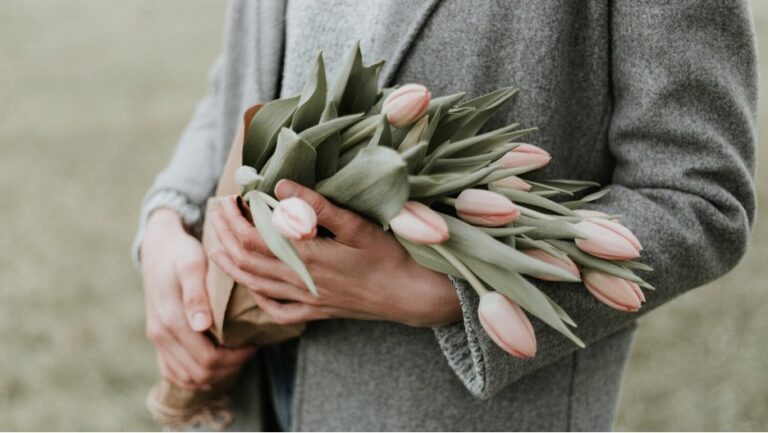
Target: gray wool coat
(655, 98)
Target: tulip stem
(450, 201)
(534, 214)
(462, 268)
(271, 201)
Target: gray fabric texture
(657, 99)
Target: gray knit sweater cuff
(191, 214)
(460, 342)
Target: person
(657, 99)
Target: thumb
(191, 275)
(346, 225)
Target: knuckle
(154, 332)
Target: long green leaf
(328, 150)
(485, 107)
(596, 263)
(374, 183)
(281, 247)
(520, 291)
(312, 101)
(293, 159)
(262, 134)
(427, 257)
(316, 134)
(472, 241)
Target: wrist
(433, 298)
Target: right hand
(173, 265)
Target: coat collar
(272, 45)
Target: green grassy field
(94, 94)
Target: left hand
(361, 273)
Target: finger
(249, 261)
(289, 313)
(191, 277)
(347, 226)
(243, 231)
(248, 279)
(282, 291)
(174, 371)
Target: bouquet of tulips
(456, 199)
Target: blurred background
(94, 95)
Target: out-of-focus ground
(93, 95)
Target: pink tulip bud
(566, 264)
(295, 219)
(613, 291)
(525, 155)
(419, 224)
(513, 182)
(485, 208)
(406, 104)
(608, 239)
(507, 325)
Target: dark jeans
(280, 368)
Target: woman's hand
(173, 268)
(361, 273)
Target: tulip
(485, 208)
(419, 224)
(295, 219)
(525, 155)
(406, 104)
(607, 239)
(566, 264)
(246, 176)
(613, 291)
(507, 325)
(513, 182)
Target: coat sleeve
(682, 135)
(191, 176)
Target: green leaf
(357, 86)
(427, 257)
(262, 134)
(471, 241)
(316, 134)
(374, 184)
(565, 186)
(576, 204)
(479, 144)
(592, 262)
(328, 150)
(312, 101)
(526, 242)
(413, 137)
(413, 156)
(485, 107)
(549, 229)
(497, 232)
(359, 131)
(441, 184)
(473, 161)
(446, 102)
(450, 122)
(520, 291)
(383, 134)
(293, 159)
(281, 247)
(518, 196)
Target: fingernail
(200, 321)
(285, 188)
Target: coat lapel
(392, 67)
(271, 46)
